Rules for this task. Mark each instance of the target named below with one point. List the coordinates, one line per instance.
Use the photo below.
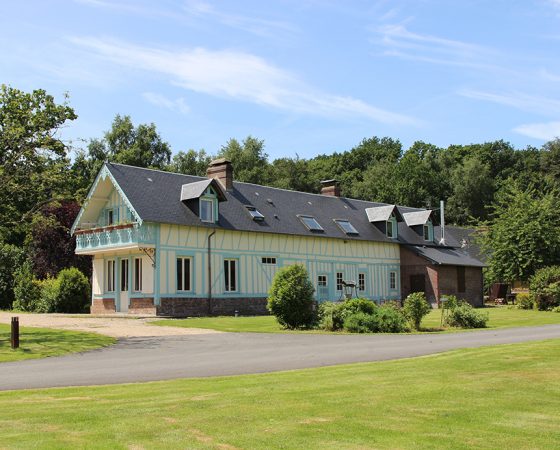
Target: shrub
(415, 308)
(11, 259)
(27, 289)
(330, 316)
(545, 287)
(382, 320)
(465, 316)
(291, 297)
(355, 305)
(524, 301)
(359, 322)
(556, 309)
(73, 291)
(391, 319)
(50, 291)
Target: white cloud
(238, 75)
(161, 101)
(524, 102)
(542, 131)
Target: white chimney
(442, 220)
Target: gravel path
(118, 327)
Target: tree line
(44, 179)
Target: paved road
(162, 358)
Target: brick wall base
(103, 306)
(142, 306)
(198, 307)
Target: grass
(494, 397)
(40, 343)
(500, 317)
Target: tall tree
(190, 162)
(523, 234)
(249, 159)
(33, 159)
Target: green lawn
(494, 397)
(500, 317)
(42, 342)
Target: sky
(308, 77)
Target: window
(137, 274)
(124, 275)
(230, 275)
(255, 213)
(207, 210)
(461, 282)
(183, 274)
(392, 228)
(268, 260)
(339, 279)
(110, 217)
(392, 280)
(362, 281)
(346, 226)
(311, 223)
(426, 232)
(321, 280)
(110, 280)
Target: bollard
(15, 332)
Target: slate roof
(447, 256)
(155, 195)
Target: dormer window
(255, 213)
(392, 227)
(311, 223)
(207, 210)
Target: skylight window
(311, 223)
(346, 226)
(255, 213)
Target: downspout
(210, 273)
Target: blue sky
(307, 76)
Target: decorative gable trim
(103, 174)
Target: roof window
(255, 213)
(346, 226)
(311, 223)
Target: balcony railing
(115, 236)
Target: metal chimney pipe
(442, 220)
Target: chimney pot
(330, 188)
(221, 170)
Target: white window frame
(362, 281)
(339, 282)
(124, 278)
(211, 202)
(228, 264)
(393, 280)
(268, 260)
(110, 275)
(180, 261)
(393, 234)
(137, 275)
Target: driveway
(116, 326)
(143, 359)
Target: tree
(523, 234)
(415, 308)
(250, 162)
(51, 248)
(190, 162)
(33, 159)
(11, 259)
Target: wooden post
(15, 333)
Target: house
(180, 245)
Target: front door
(123, 285)
(418, 283)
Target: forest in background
(511, 192)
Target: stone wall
(198, 307)
(103, 306)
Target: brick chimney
(330, 187)
(222, 171)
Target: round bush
(359, 322)
(415, 308)
(545, 287)
(391, 320)
(330, 316)
(524, 301)
(73, 291)
(465, 316)
(50, 292)
(291, 297)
